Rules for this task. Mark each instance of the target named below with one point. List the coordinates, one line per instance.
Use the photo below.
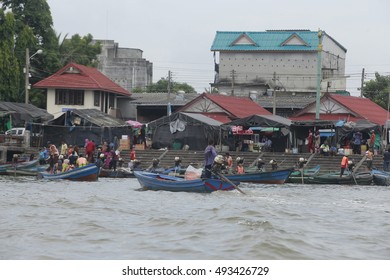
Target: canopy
(261, 120)
(134, 124)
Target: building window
(69, 97)
(96, 99)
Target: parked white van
(17, 131)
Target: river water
(113, 219)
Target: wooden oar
(353, 176)
(227, 180)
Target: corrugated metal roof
(99, 118)
(272, 40)
(161, 98)
(26, 111)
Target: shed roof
(262, 120)
(161, 98)
(77, 76)
(26, 112)
(96, 117)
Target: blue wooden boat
(161, 182)
(89, 172)
(380, 178)
(26, 171)
(260, 177)
(18, 165)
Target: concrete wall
(125, 66)
(57, 111)
(295, 71)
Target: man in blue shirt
(209, 155)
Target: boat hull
(89, 172)
(296, 176)
(160, 182)
(269, 177)
(118, 173)
(360, 178)
(381, 178)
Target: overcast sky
(177, 35)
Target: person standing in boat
(317, 141)
(344, 165)
(369, 158)
(209, 155)
(309, 141)
(64, 148)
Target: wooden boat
(380, 178)
(359, 178)
(16, 166)
(296, 176)
(89, 172)
(118, 173)
(30, 171)
(268, 177)
(161, 182)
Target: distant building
(283, 61)
(125, 66)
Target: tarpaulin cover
(189, 129)
(261, 120)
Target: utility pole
(361, 86)
(27, 73)
(233, 72)
(27, 77)
(169, 110)
(274, 94)
(319, 73)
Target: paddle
(353, 176)
(227, 180)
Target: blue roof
(266, 41)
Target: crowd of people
(67, 157)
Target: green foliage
(9, 68)
(32, 28)
(162, 86)
(80, 50)
(378, 90)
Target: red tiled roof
(359, 108)
(238, 106)
(363, 107)
(76, 76)
(223, 118)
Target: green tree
(162, 86)
(80, 50)
(9, 68)
(378, 90)
(34, 30)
